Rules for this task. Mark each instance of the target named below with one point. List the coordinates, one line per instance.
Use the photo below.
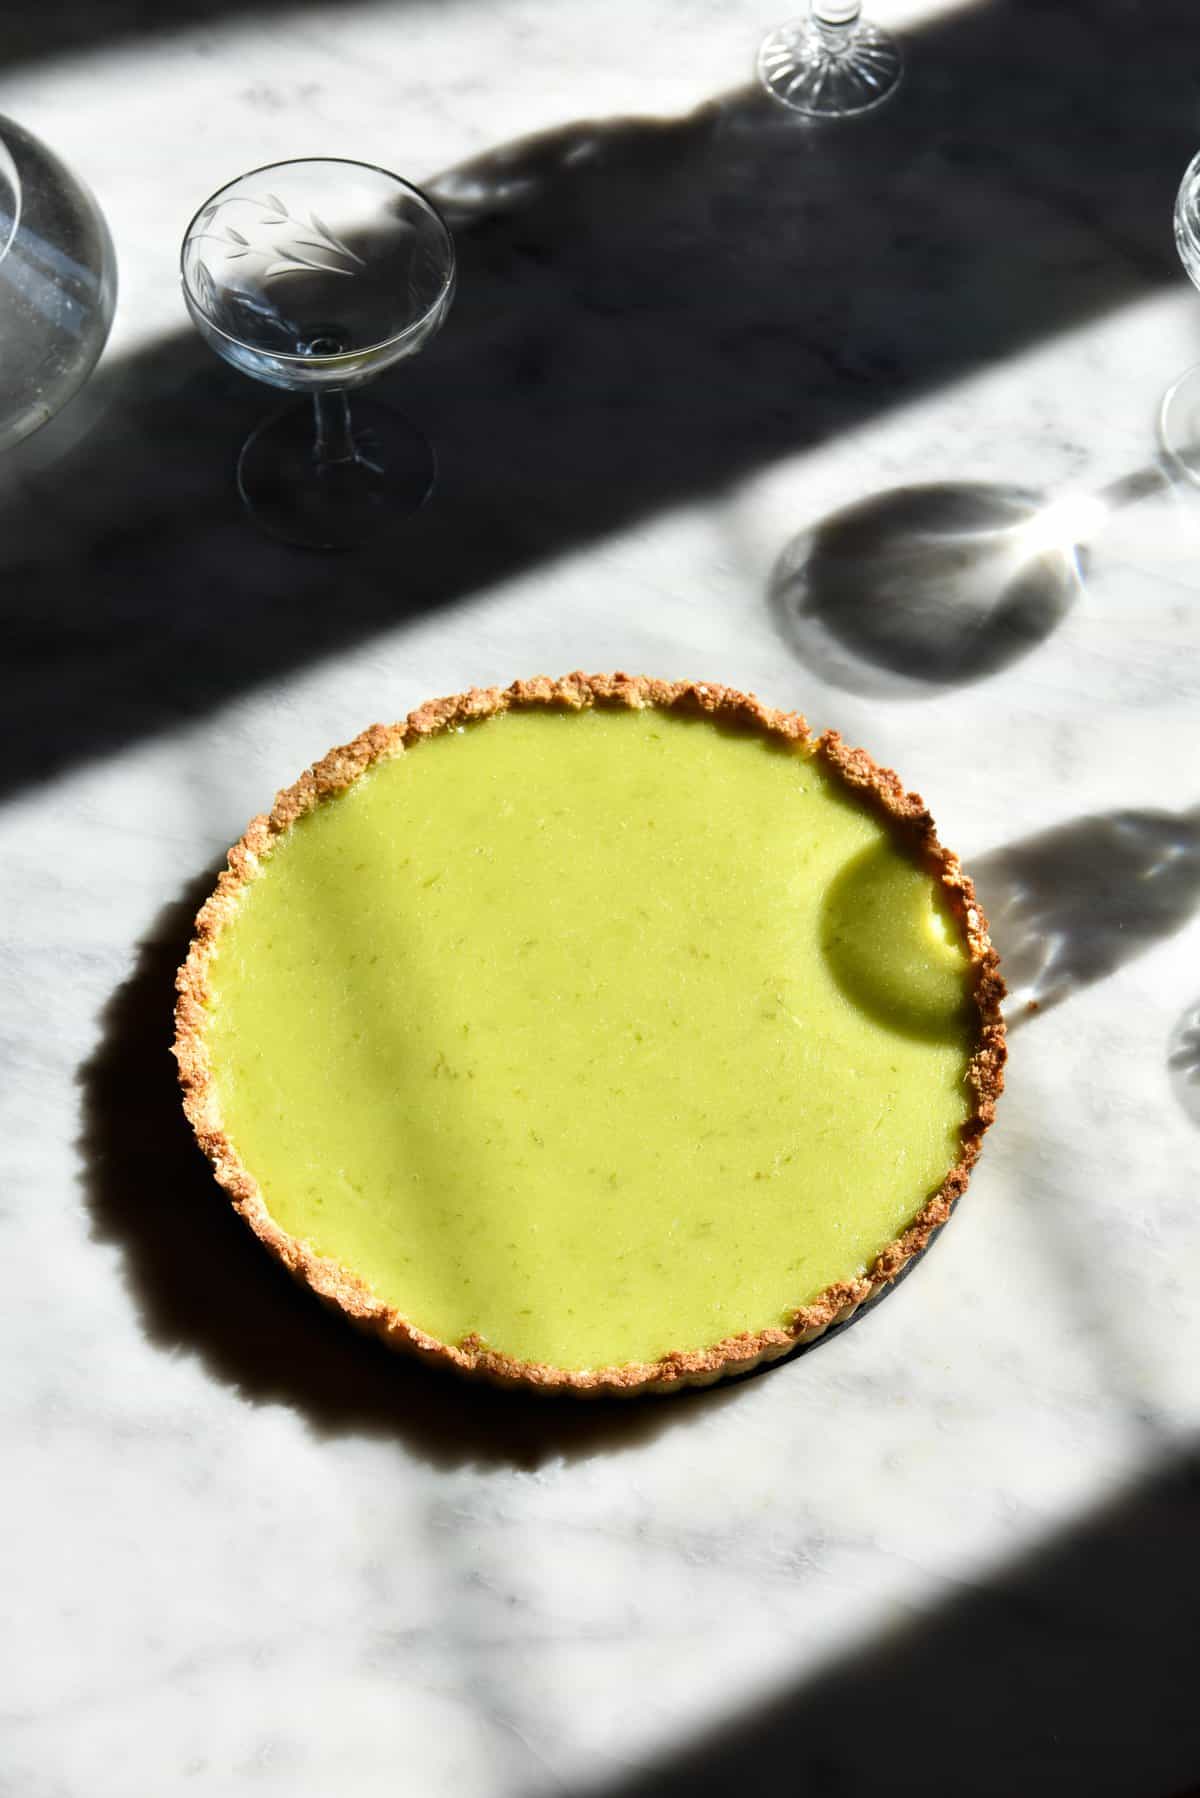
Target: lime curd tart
(602, 1035)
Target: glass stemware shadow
(1071, 905)
(919, 588)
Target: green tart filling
(594, 1035)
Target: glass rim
(11, 173)
(295, 356)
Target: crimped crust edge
(336, 1285)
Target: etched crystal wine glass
(831, 63)
(1179, 418)
(315, 276)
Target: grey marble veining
(243, 1551)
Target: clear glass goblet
(831, 63)
(315, 276)
(1179, 418)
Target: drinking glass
(58, 284)
(1179, 419)
(315, 276)
(831, 63)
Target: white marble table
(951, 1550)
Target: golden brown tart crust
(879, 788)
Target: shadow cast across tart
(533, 1036)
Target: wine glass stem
(334, 441)
(834, 22)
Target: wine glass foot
(800, 67)
(316, 504)
(1179, 424)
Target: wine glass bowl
(315, 276)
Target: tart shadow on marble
(1070, 905)
(203, 1283)
(649, 311)
(1068, 1673)
(921, 588)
